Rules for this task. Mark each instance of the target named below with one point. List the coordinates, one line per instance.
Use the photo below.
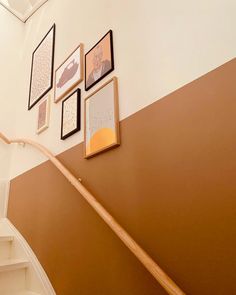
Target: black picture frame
(89, 84)
(77, 117)
(50, 76)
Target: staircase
(154, 269)
(20, 271)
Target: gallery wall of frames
(101, 111)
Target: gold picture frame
(69, 74)
(101, 119)
(43, 114)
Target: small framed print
(99, 61)
(70, 117)
(101, 126)
(41, 79)
(43, 115)
(69, 74)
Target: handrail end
(4, 138)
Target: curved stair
(20, 271)
(13, 271)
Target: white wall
(11, 31)
(159, 46)
(76, 22)
(163, 45)
(4, 191)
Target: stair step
(13, 264)
(6, 238)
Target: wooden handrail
(162, 278)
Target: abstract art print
(99, 61)
(70, 118)
(69, 73)
(102, 119)
(43, 115)
(41, 79)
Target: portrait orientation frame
(97, 142)
(41, 71)
(70, 71)
(110, 60)
(71, 114)
(43, 111)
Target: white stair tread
(6, 238)
(13, 264)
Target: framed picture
(101, 128)
(43, 115)
(41, 79)
(70, 117)
(99, 61)
(69, 73)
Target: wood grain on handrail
(163, 279)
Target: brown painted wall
(171, 184)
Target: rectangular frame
(106, 66)
(46, 116)
(69, 72)
(75, 113)
(37, 78)
(115, 119)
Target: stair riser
(7, 279)
(5, 250)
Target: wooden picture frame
(69, 74)
(41, 78)
(71, 114)
(101, 119)
(99, 61)
(43, 115)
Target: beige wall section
(159, 46)
(162, 45)
(4, 192)
(5, 158)
(10, 39)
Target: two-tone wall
(170, 183)
(159, 46)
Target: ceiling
(22, 9)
